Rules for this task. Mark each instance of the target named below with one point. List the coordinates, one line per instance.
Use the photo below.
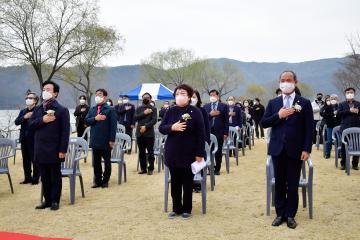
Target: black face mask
(319, 98)
(146, 101)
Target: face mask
(108, 103)
(246, 104)
(46, 95)
(287, 87)
(146, 101)
(152, 104)
(125, 101)
(213, 99)
(350, 96)
(98, 100)
(279, 95)
(166, 106)
(194, 101)
(256, 103)
(82, 101)
(328, 102)
(319, 98)
(231, 103)
(333, 102)
(181, 100)
(120, 101)
(29, 102)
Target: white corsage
(186, 117)
(297, 107)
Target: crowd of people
(45, 132)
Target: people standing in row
(27, 140)
(146, 118)
(80, 113)
(349, 113)
(164, 109)
(184, 125)
(219, 124)
(258, 113)
(103, 122)
(126, 114)
(196, 101)
(51, 124)
(331, 118)
(317, 105)
(109, 102)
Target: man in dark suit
(164, 109)
(258, 113)
(290, 117)
(27, 140)
(51, 123)
(103, 123)
(235, 115)
(348, 112)
(126, 112)
(219, 124)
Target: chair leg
(119, 172)
(124, 166)
(159, 162)
(10, 182)
(347, 164)
(166, 197)
(304, 196)
(203, 195)
(72, 188)
(237, 156)
(227, 161)
(212, 177)
(82, 186)
(310, 193)
(273, 196)
(336, 156)
(268, 198)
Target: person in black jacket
(196, 101)
(27, 140)
(80, 113)
(257, 114)
(146, 117)
(164, 109)
(184, 125)
(102, 120)
(348, 111)
(126, 114)
(51, 124)
(329, 114)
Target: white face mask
(213, 99)
(126, 101)
(181, 100)
(120, 101)
(29, 102)
(82, 101)
(328, 102)
(350, 96)
(287, 87)
(108, 103)
(98, 99)
(46, 95)
(194, 101)
(231, 103)
(166, 106)
(333, 102)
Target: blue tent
(157, 90)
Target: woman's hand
(199, 159)
(178, 126)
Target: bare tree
(47, 34)
(349, 74)
(104, 42)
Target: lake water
(7, 118)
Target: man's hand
(354, 110)
(225, 137)
(214, 113)
(178, 126)
(100, 117)
(199, 159)
(142, 129)
(232, 114)
(48, 119)
(148, 111)
(132, 126)
(28, 115)
(82, 109)
(61, 155)
(127, 108)
(111, 145)
(284, 113)
(305, 156)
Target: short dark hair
(214, 91)
(257, 99)
(319, 94)
(82, 97)
(199, 102)
(187, 88)
(350, 88)
(104, 92)
(290, 71)
(55, 85)
(36, 96)
(147, 94)
(278, 91)
(125, 96)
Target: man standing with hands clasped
(103, 122)
(291, 118)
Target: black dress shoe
(356, 168)
(35, 182)
(217, 173)
(43, 206)
(96, 185)
(105, 185)
(150, 172)
(342, 168)
(54, 206)
(26, 182)
(142, 172)
(278, 221)
(291, 223)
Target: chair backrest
(248, 130)
(268, 135)
(77, 150)
(120, 128)
(318, 127)
(159, 140)
(86, 134)
(336, 135)
(351, 137)
(208, 154)
(122, 144)
(7, 150)
(234, 137)
(213, 143)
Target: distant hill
(319, 74)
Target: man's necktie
(98, 109)
(213, 109)
(287, 102)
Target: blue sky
(247, 30)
